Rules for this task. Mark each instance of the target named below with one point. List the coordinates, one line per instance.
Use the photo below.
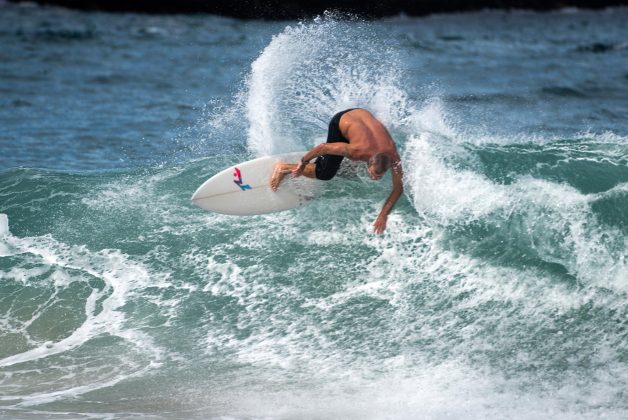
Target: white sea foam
(355, 383)
(102, 316)
(342, 385)
(4, 225)
(558, 222)
(4, 231)
(446, 391)
(445, 192)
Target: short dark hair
(380, 162)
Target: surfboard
(244, 189)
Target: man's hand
(380, 224)
(397, 179)
(298, 171)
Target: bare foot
(279, 173)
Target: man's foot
(279, 173)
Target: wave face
(499, 290)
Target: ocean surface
(499, 289)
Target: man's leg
(283, 169)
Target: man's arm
(339, 149)
(397, 183)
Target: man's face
(374, 174)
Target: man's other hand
(380, 224)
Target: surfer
(355, 134)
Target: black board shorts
(327, 165)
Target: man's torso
(367, 136)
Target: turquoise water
(499, 289)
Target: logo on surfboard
(237, 175)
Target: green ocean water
(499, 289)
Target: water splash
(312, 70)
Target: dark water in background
(500, 289)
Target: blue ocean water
(499, 289)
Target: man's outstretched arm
(339, 149)
(397, 183)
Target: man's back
(367, 136)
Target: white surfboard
(244, 189)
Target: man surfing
(355, 134)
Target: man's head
(378, 165)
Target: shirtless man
(357, 135)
